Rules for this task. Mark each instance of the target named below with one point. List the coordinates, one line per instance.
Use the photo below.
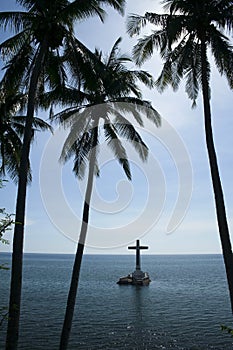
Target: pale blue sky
(197, 233)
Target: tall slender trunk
(67, 324)
(216, 181)
(17, 255)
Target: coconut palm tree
(109, 94)
(35, 44)
(183, 36)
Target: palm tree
(107, 94)
(30, 50)
(183, 37)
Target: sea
(184, 306)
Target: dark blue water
(182, 308)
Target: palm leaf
(135, 23)
(12, 47)
(137, 108)
(145, 47)
(126, 130)
(117, 148)
(16, 74)
(81, 9)
(14, 21)
(113, 53)
(223, 54)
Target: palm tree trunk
(67, 324)
(17, 255)
(216, 181)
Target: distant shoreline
(148, 254)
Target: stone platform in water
(138, 277)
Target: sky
(168, 204)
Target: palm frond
(127, 106)
(159, 20)
(145, 46)
(14, 21)
(192, 86)
(63, 96)
(17, 69)
(138, 108)
(144, 77)
(113, 53)
(165, 77)
(79, 10)
(14, 45)
(118, 5)
(28, 4)
(193, 75)
(223, 54)
(81, 150)
(118, 149)
(128, 132)
(10, 153)
(80, 127)
(135, 23)
(125, 129)
(54, 71)
(41, 125)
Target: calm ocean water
(182, 308)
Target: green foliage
(227, 329)
(6, 221)
(102, 88)
(180, 34)
(5, 224)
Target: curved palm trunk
(17, 255)
(216, 181)
(67, 324)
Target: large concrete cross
(138, 248)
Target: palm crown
(106, 93)
(35, 29)
(179, 36)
